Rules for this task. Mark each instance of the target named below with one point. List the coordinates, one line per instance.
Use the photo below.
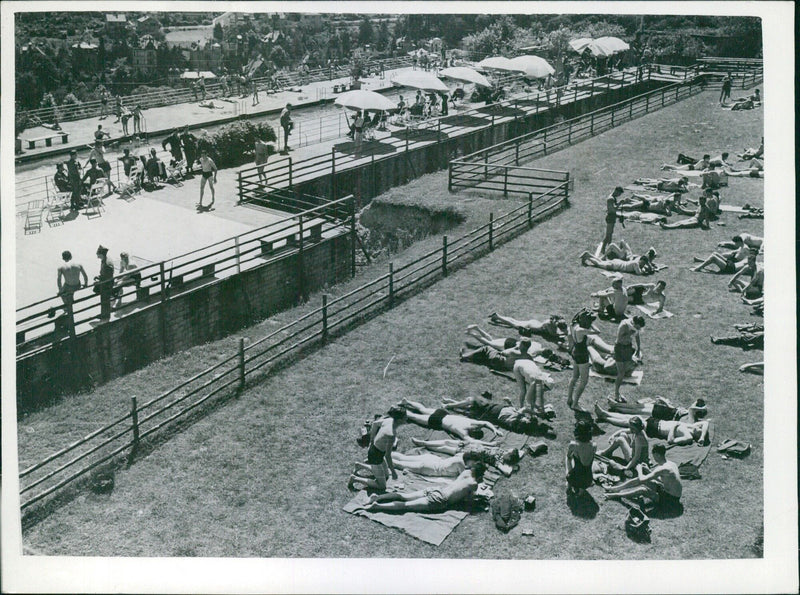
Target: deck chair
(56, 206)
(94, 203)
(130, 186)
(33, 216)
(175, 173)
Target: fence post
(545, 140)
(630, 111)
(135, 425)
(647, 103)
(530, 209)
(591, 128)
(324, 318)
(613, 111)
(444, 256)
(333, 173)
(163, 282)
(391, 285)
(450, 178)
(485, 165)
(239, 179)
(569, 133)
(241, 363)
(676, 93)
(238, 255)
(505, 182)
(491, 231)
(353, 238)
(300, 261)
(516, 153)
(663, 95)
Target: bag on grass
(506, 511)
(637, 525)
(734, 448)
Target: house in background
(116, 23)
(144, 57)
(88, 54)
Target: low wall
(204, 314)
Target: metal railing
(106, 446)
(40, 324)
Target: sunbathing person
(379, 455)
(554, 329)
(673, 431)
(753, 172)
(753, 368)
(665, 184)
(653, 218)
(640, 266)
(751, 336)
(500, 360)
(755, 289)
(753, 153)
(727, 263)
(430, 465)
(448, 496)
(459, 426)
(529, 376)
(484, 338)
(504, 415)
(751, 241)
(662, 205)
(699, 165)
(623, 251)
(699, 219)
(750, 268)
(504, 460)
(662, 409)
(714, 178)
(662, 484)
(648, 293)
(632, 446)
(579, 457)
(612, 302)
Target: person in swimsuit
(379, 454)
(528, 375)
(671, 430)
(751, 241)
(448, 496)
(430, 465)
(648, 293)
(554, 329)
(611, 216)
(262, 152)
(500, 360)
(209, 172)
(662, 484)
(699, 219)
(69, 281)
(727, 263)
(640, 266)
(632, 445)
(582, 327)
(500, 343)
(647, 203)
(579, 457)
(502, 414)
(504, 460)
(624, 351)
(699, 165)
(670, 185)
(750, 268)
(459, 426)
(612, 302)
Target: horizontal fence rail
(40, 324)
(105, 447)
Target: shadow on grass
(582, 505)
(418, 134)
(464, 121)
(367, 149)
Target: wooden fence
(120, 439)
(42, 323)
(497, 167)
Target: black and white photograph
(399, 297)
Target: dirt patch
(386, 226)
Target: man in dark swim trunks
(440, 419)
(611, 216)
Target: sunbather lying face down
(502, 459)
(553, 329)
(432, 466)
(462, 427)
(674, 432)
(640, 266)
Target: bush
(233, 144)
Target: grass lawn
(265, 475)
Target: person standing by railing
(75, 180)
(69, 281)
(137, 119)
(262, 151)
(287, 125)
(104, 283)
(189, 142)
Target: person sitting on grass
(699, 219)
(662, 484)
(714, 177)
(578, 459)
(753, 153)
(430, 465)
(699, 165)
(632, 446)
(750, 268)
(504, 460)
(499, 360)
(754, 289)
(665, 184)
(459, 426)
(673, 431)
(727, 263)
(640, 266)
(622, 251)
(432, 500)
(612, 302)
(751, 241)
(379, 455)
(554, 329)
(648, 293)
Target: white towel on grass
(635, 378)
(650, 311)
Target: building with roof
(116, 23)
(144, 57)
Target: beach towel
(635, 378)
(431, 528)
(650, 311)
(732, 209)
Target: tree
(218, 33)
(384, 38)
(27, 90)
(366, 33)
(279, 57)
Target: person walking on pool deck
(262, 151)
(209, 175)
(611, 216)
(104, 283)
(624, 351)
(287, 125)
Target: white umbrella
(365, 100)
(612, 44)
(580, 44)
(533, 66)
(419, 80)
(496, 63)
(465, 74)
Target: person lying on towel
(673, 431)
(640, 266)
(459, 426)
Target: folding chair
(175, 173)
(94, 203)
(33, 216)
(56, 206)
(130, 186)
